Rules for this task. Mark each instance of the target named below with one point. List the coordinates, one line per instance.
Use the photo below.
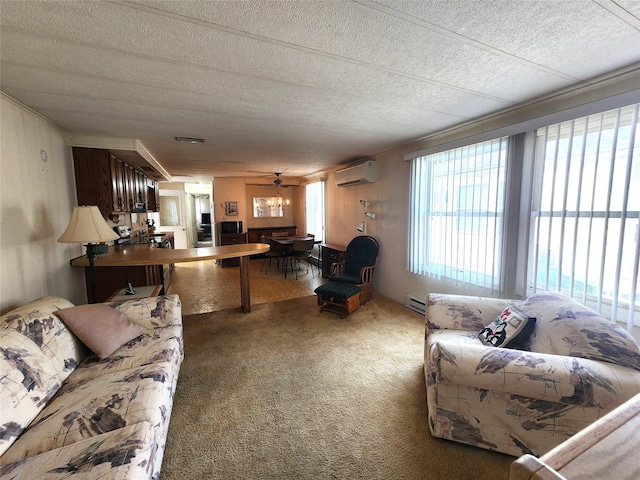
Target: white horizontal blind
(456, 222)
(585, 221)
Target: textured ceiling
(298, 86)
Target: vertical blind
(584, 220)
(456, 211)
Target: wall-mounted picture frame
(232, 209)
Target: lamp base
(91, 254)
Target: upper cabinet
(104, 180)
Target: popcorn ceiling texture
(298, 86)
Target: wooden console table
(122, 255)
(331, 253)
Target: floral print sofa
(575, 367)
(66, 413)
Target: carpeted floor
(285, 392)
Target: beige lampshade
(87, 226)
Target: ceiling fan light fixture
(189, 140)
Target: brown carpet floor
(285, 392)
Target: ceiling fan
(277, 182)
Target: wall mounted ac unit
(364, 173)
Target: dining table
(287, 243)
(289, 239)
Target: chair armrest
(460, 312)
(336, 268)
(542, 376)
(366, 274)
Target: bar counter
(150, 254)
(143, 254)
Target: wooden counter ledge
(150, 255)
(142, 254)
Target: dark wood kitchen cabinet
(104, 180)
(118, 190)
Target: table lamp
(88, 226)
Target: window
(582, 213)
(457, 213)
(584, 217)
(314, 209)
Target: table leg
(244, 284)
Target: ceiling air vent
(189, 140)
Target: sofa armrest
(546, 377)
(153, 312)
(460, 312)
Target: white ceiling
(298, 86)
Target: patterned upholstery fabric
(515, 401)
(108, 418)
(337, 290)
(29, 380)
(37, 321)
(575, 330)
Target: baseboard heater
(415, 304)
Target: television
(206, 219)
(230, 227)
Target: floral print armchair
(576, 367)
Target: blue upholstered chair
(360, 260)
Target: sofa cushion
(28, 380)
(153, 346)
(124, 453)
(94, 406)
(511, 329)
(100, 327)
(566, 327)
(36, 320)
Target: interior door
(192, 224)
(172, 216)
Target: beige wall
(291, 213)
(242, 190)
(389, 200)
(36, 202)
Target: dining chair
(316, 261)
(276, 251)
(302, 251)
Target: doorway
(200, 216)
